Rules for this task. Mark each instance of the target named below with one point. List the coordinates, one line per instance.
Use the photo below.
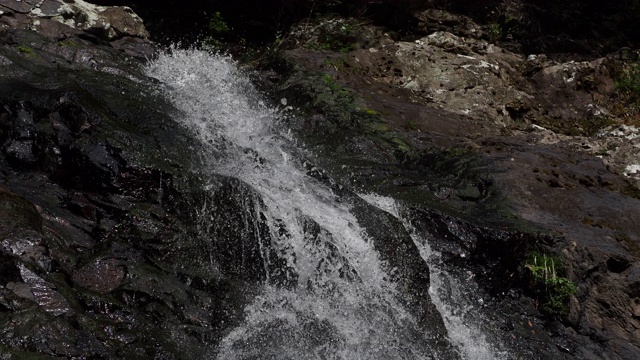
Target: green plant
(494, 30)
(217, 25)
(629, 81)
(217, 28)
(335, 34)
(553, 290)
(627, 85)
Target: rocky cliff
(501, 144)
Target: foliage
(217, 25)
(627, 97)
(331, 34)
(553, 290)
(217, 28)
(494, 30)
(629, 81)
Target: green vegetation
(629, 81)
(336, 35)
(343, 65)
(553, 291)
(456, 151)
(68, 43)
(217, 28)
(494, 30)
(627, 100)
(25, 50)
(332, 84)
(217, 25)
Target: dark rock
(102, 276)
(92, 201)
(618, 264)
(17, 213)
(19, 6)
(486, 185)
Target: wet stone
(21, 153)
(102, 276)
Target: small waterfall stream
(342, 303)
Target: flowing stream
(342, 303)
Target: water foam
(456, 301)
(327, 315)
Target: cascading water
(341, 304)
(449, 294)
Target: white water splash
(454, 300)
(327, 315)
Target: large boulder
(101, 253)
(107, 22)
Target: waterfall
(451, 295)
(342, 303)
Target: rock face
(494, 154)
(100, 251)
(107, 22)
(108, 246)
(459, 124)
(60, 19)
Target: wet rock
(497, 153)
(43, 293)
(21, 153)
(239, 233)
(17, 213)
(102, 276)
(91, 208)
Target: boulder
(107, 22)
(100, 252)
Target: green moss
(456, 151)
(25, 50)
(400, 144)
(68, 43)
(379, 127)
